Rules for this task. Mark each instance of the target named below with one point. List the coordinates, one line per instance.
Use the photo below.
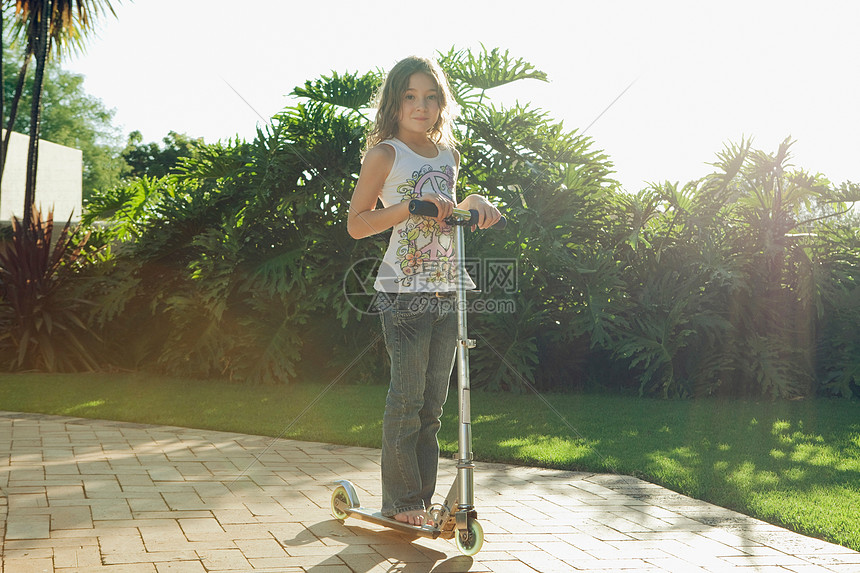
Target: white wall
(59, 180)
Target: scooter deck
(372, 516)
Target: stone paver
(96, 496)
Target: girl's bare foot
(416, 517)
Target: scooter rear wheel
(474, 539)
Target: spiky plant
(41, 325)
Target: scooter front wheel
(339, 495)
(471, 541)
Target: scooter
(456, 517)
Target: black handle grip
(428, 209)
(423, 208)
(500, 224)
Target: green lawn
(796, 464)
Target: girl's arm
(364, 218)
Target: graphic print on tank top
(425, 248)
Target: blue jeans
(421, 338)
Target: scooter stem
(465, 467)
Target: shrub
(41, 314)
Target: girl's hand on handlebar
(488, 215)
(444, 206)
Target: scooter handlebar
(461, 216)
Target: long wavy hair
(390, 97)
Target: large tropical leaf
(272, 337)
(349, 90)
(488, 69)
(507, 354)
(776, 368)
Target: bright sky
(703, 73)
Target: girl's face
(419, 108)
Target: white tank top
(420, 255)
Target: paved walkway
(96, 496)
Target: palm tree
(2, 91)
(46, 24)
(13, 111)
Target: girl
(411, 155)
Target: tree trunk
(2, 99)
(13, 107)
(41, 53)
